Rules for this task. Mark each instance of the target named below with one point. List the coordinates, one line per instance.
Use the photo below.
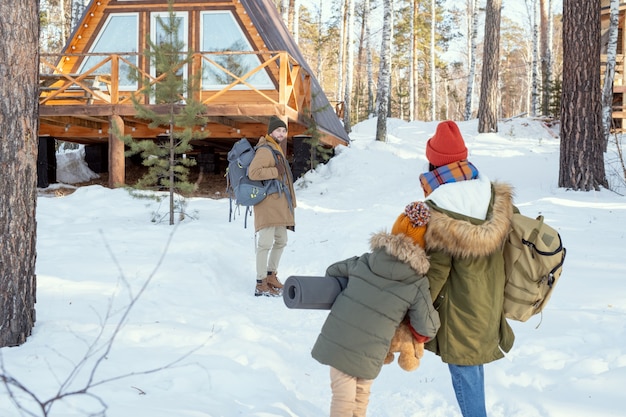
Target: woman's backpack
(533, 261)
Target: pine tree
(318, 152)
(176, 110)
(18, 153)
(581, 166)
(487, 111)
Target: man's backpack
(533, 261)
(240, 189)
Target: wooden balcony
(77, 107)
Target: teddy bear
(411, 351)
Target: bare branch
(97, 351)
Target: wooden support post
(117, 168)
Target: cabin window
(220, 32)
(119, 34)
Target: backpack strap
(280, 185)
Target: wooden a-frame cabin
(86, 90)
(619, 81)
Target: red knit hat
(446, 146)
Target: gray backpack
(241, 190)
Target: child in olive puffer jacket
(384, 286)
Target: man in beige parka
(275, 214)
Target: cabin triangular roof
(266, 32)
(277, 37)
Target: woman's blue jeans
(469, 387)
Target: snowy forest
(489, 64)
(438, 59)
(434, 65)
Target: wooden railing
(100, 83)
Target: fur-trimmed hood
(462, 236)
(403, 248)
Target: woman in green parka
(470, 219)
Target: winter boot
(263, 289)
(273, 282)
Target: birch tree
(294, 16)
(389, 61)
(368, 53)
(433, 84)
(534, 96)
(78, 9)
(19, 63)
(581, 165)
(546, 54)
(320, 36)
(472, 29)
(609, 72)
(487, 111)
(384, 75)
(342, 42)
(347, 96)
(413, 88)
(55, 24)
(284, 10)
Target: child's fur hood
(463, 239)
(403, 248)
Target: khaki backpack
(533, 261)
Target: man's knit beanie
(274, 124)
(446, 146)
(412, 222)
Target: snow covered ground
(220, 351)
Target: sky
(195, 342)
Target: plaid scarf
(454, 172)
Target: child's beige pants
(350, 394)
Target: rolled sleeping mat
(312, 292)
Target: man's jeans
(469, 387)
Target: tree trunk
(609, 72)
(19, 63)
(294, 16)
(370, 65)
(284, 9)
(546, 55)
(360, 76)
(472, 21)
(433, 83)
(581, 160)
(487, 111)
(535, 66)
(347, 96)
(319, 42)
(341, 60)
(413, 63)
(384, 76)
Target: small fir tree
(176, 109)
(318, 152)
